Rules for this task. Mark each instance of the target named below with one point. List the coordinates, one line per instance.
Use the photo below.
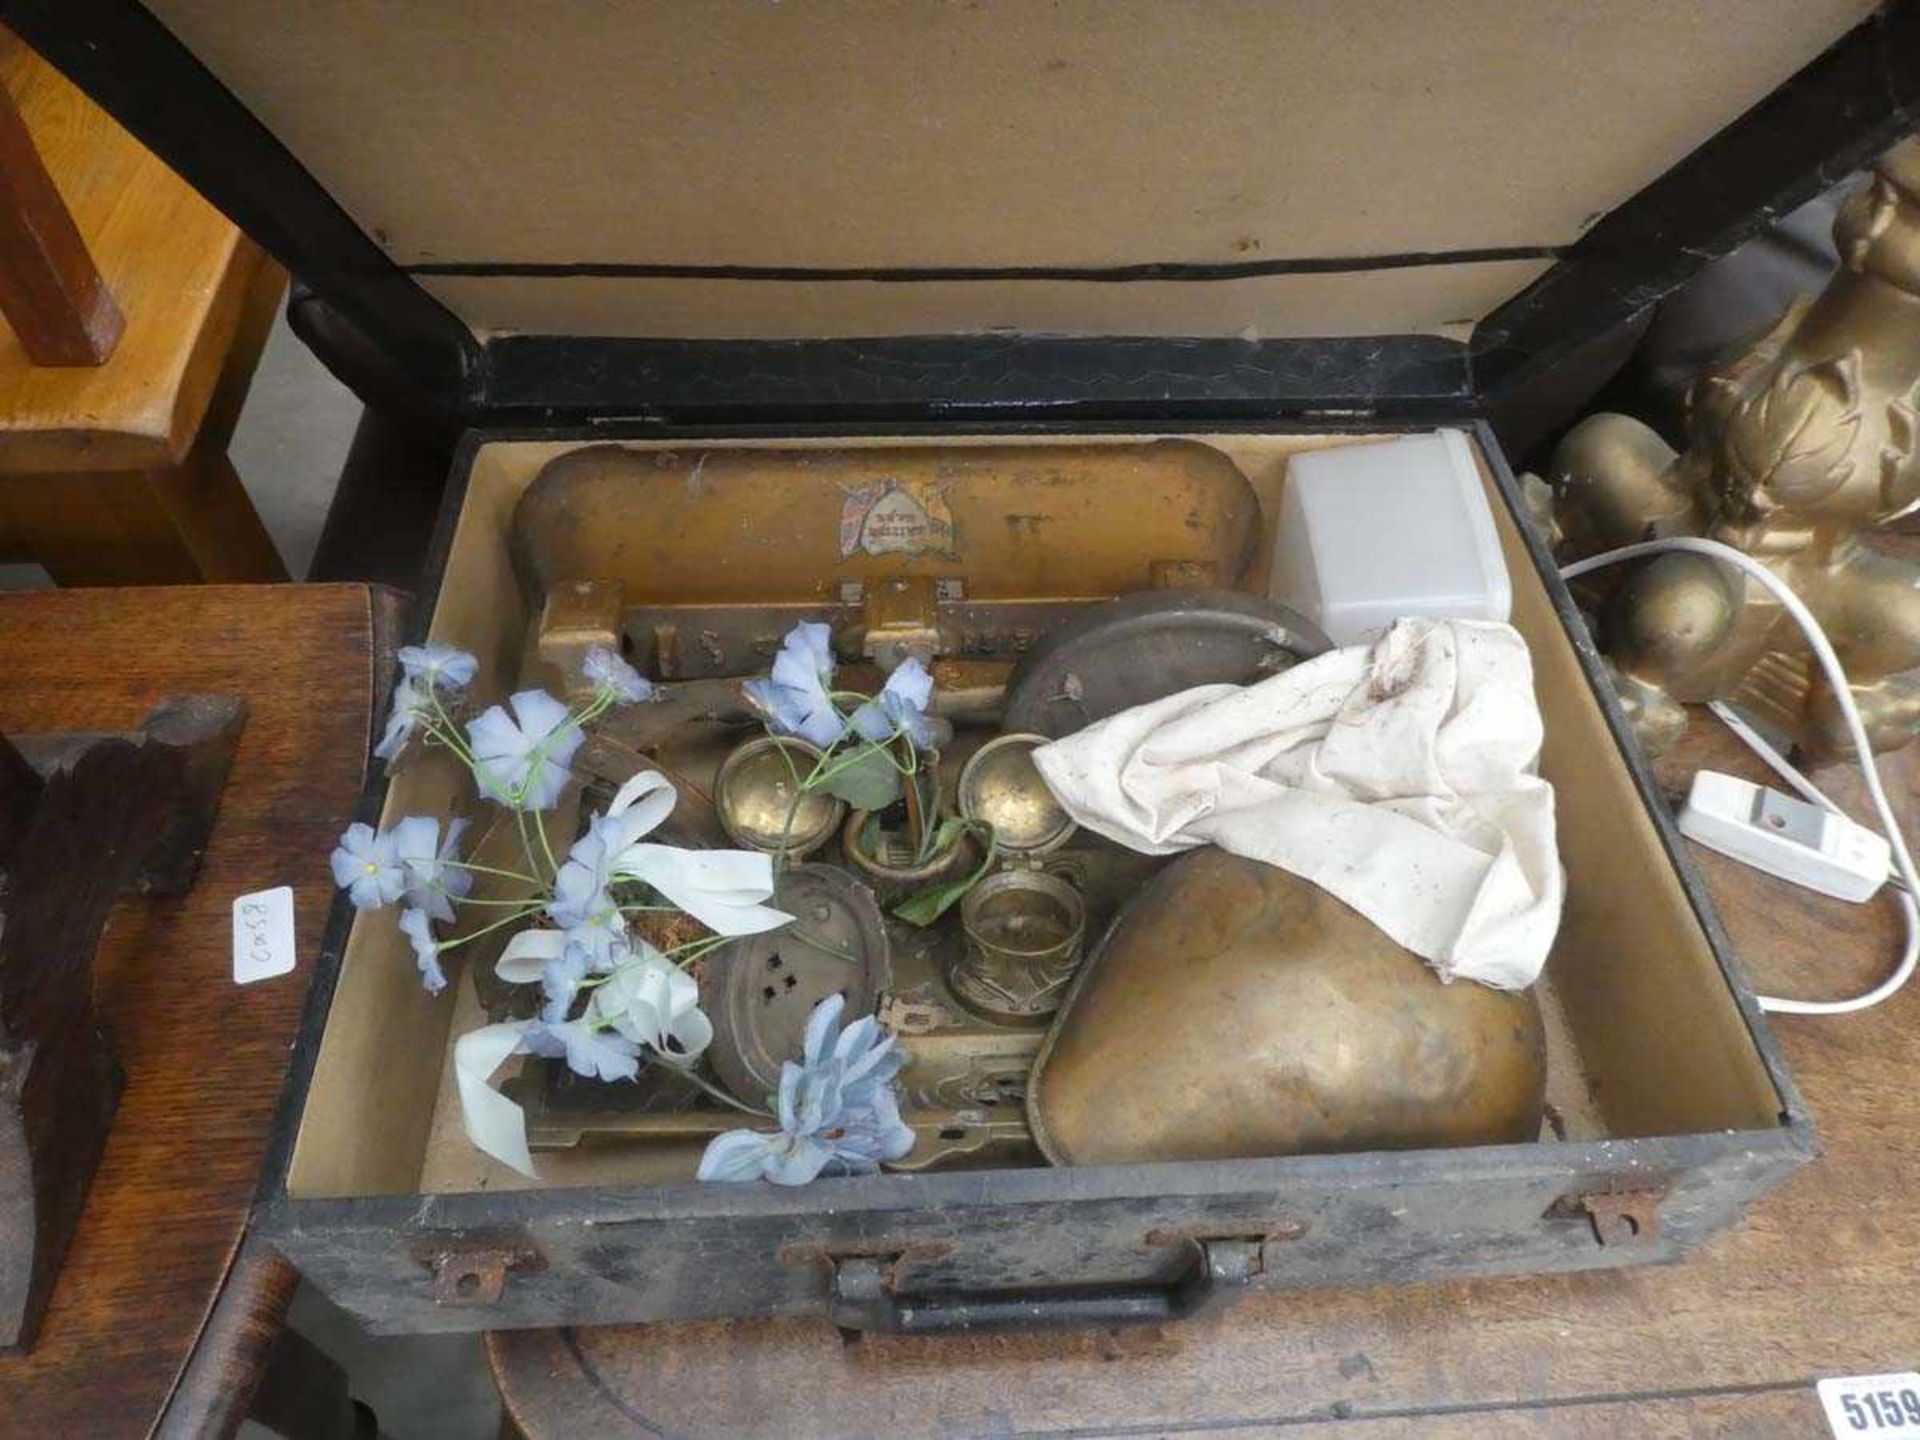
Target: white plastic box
(1370, 533)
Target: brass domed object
(1237, 1011)
(754, 793)
(1001, 785)
(1149, 644)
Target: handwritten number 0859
(260, 950)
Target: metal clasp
(1618, 1217)
(470, 1270)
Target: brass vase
(1237, 1011)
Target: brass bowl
(1001, 785)
(1236, 1011)
(754, 794)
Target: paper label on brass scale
(896, 517)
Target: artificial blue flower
(367, 866)
(560, 982)
(580, 887)
(409, 706)
(901, 707)
(596, 1054)
(426, 950)
(582, 903)
(837, 1109)
(423, 669)
(874, 1129)
(869, 1057)
(434, 878)
(523, 758)
(438, 667)
(603, 936)
(614, 677)
(795, 696)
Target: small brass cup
(887, 866)
(755, 790)
(1023, 932)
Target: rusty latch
(1622, 1217)
(471, 1271)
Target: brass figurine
(1798, 448)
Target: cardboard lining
(1646, 1038)
(904, 133)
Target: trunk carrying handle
(861, 1297)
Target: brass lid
(1001, 785)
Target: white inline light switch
(1785, 836)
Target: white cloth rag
(1398, 776)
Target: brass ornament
(1237, 1011)
(1798, 448)
(1001, 786)
(1023, 930)
(760, 990)
(761, 806)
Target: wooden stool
(117, 473)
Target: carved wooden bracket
(84, 818)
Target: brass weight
(1237, 1011)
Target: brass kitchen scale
(1052, 584)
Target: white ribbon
(722, 889)
(495, 1124)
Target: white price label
(1872, 1404)
(262, 935)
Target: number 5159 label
(1872, 1404)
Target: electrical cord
(1836, 675)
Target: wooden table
(1823, 1278)
(157, 1267)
